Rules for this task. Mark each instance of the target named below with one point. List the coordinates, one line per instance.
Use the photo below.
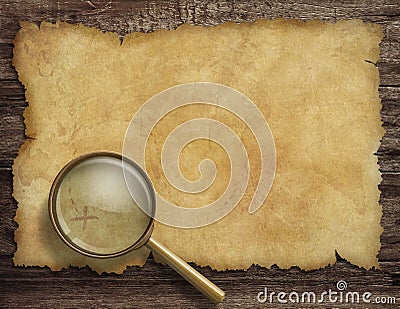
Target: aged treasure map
(315, 84)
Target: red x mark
(85, 217)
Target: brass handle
(200, 282)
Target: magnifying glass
(93, 212)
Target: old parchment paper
(310, 80)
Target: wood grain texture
(156, 285)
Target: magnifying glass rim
(53, 202)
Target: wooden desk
(159, 286)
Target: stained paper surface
(310, 80)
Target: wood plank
(12, 104)
(124, 17)
(157, 284)
(390, 199)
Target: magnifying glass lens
(94, 209)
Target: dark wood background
(157, 285)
